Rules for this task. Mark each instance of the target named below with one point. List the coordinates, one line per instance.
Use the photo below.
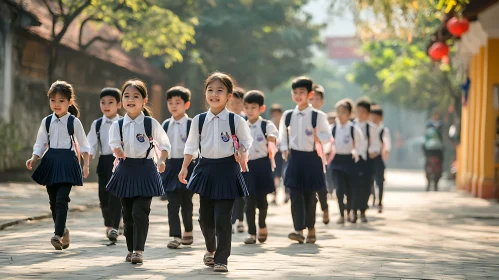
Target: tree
(143, 25)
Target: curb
(78, 208)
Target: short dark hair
(254, 96)
(319, 90)
(377, 110)
(238, 93)
(345, 103)
(364, 104)
(179, 91)
(276, 108)
(113, 92)
(304, 82)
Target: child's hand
(161, 167)
(119, 153)
(285, 155)
(86, 170)
(386, 155)
(241, 159)
(373, 155)
(355, 156)
(31, 161)
(182, 175)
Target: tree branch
(50, 9)
(69, 18)
(61, 8)
(82, 25)
(100, 39)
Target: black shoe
(354, 219)
(296, 237)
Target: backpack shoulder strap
(381, 133)
(165, 126)
(48, 120)
(71, 125)
(189, 122)
(264, 127)
(148, 127)
(202, 118)
(231, 124)
(120, 124)
(315, 114)
(98, 124)
(352, 132)
(287, 120)
(334, 131)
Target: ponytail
(147, 111)
(74, 110)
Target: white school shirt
(135, 140)
(371, 145)
(216, 140)
(59, 135)
(259, 148)
(177, 133)
(104, 137)
(343, 142)
(387, 142)
(301, 131)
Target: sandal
(220, 268)
(65, 239)
(112, 235)
(128, 257)
(311, 239)
(56, 242)
(296, 237)
(137, 258)
(174, 244)
(187, 240)
(209, 260)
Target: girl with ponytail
(57, 144)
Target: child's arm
(387, 144)
(115, 140)
(82, 140)
(92, 140)
(272, 132)
(163, 141)
(283, 137)
(39, 147)
(183, 172)
(358, 143)
(322, 131)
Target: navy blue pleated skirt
(304, 171)
(218, 179)
(105, 164)
(136, 177)
(58, 166)
(170, 176)
(344, 163)
(259, 179)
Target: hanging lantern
(457, 26)
(438, 50)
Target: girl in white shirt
(60, 169)
(217, 176)
(136, 178)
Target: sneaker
(341, 221)
(296, 237)
(174, 244)
(65, 239)
(208, 259)
(220, 268)
(112, 235)
(311, 236)
(128, 257)
(363, 218)
(137, 258)
(325, 217)
(56, 242)
(250, 240)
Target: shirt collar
(105, 119)
(342, 126)
(63, 119)
(138, 119)
(181, 121)
(257, 121)
(305, 111)
(222, 115)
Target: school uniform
(98, 138)
(136, 179)
(217, 176)
(304, 174)
(348, 139)
(179, 197)
(379, 164)
(59, 168)
(259, 179)
(366, 165)
(322, 194)
(239, 204)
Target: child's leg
(140, 213)
(174, 198)
(310, 199)
(223, 213)
(114, 210)
(263, 206)
(207, 222)
(322, 194)
(240, 209)
(380, 181)
(59, 200)
(339, 182)
(251, 213)
(127, 205)
(52, 192)
(298, 209)
(104, 199)
(186, 209)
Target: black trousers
(59, 200)
(322, 194)
(215, 222)
(379, 179)
(363, 187)
(345, 185)
(179, 200)
(110, 205)
(303, 204)
(238, 211)
(136, 219)
(252, 203)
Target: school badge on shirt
(309, 132)
(140, 138)
(184, 139)
(225, 137)
(259, 138)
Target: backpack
(70, 125)
(167, 123)
(147, 128)
(352, 134)
(382, 132)
(287, 120)
(202, 118)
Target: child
(331, 118)
(379, 162)
(98, 138)
(259, 178)
(60, 168)
(317, 101)
(136, 179)
(347, 141)
(236, 105)
(299, 132)
(275, 116)
(369, 150)
(177, 128)
(217, 176)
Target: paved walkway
(420, 235)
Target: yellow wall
(479, 90)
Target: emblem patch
(225, 137)
(309, 132)
(140, 138)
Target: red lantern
(457, 26)
(438, 50)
